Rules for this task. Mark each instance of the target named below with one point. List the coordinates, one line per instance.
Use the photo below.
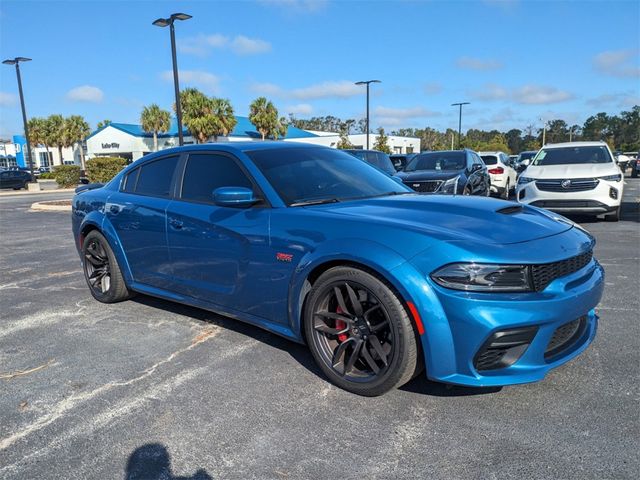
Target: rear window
(489, 159)
(572, 156)
(155, 177)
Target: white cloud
(432, 88)
(491, 91)
(540, 95)
(7, 99)
(414, 112)
(339, 89)
(299, 109)
(618, 63)
(242, 45)
(620, 100)
(267, 89)
(297, 6)
(208, 82)
(470, 63)
(202, 45)
(85, 93)
(527, 94)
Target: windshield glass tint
(572, 156)
(307, 174)
(489, 159)
(526, 155)
(437, 161)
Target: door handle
(115, 209)
(176, 224)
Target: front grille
(565, 336)
(490, 359)
(568, 204)
(428, 186)
(570, 185)
(542, 275)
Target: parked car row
(15, 178)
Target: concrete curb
(48, 207)
(38, 192)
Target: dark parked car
(311, 244)
(635, 167)
(15, 179)
(375, 158)
(523, 160)
(401, 160)
(448, 172)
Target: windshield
(301, 175)
(489, 159)
(379, 159)
(437, 161)
(526, 156)
(572, 156)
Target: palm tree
(76, 130)
(155, 120)
(39, 133)
(56, 134)
(103, 123)
(222, 109)
(197, 115)
(263, 115)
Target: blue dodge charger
(320, 247)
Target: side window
(477, 159)
(206, 172)
(469, 161)
(130, 181)
(154, 178)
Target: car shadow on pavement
(299, 352)
(424, 386)
(152, 462)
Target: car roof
(575, 144)
(491, 153)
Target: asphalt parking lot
(120, 391)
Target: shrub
(66, 175)
(103, 169)
(46, 176)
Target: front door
(220, 254)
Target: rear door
(220, 254)
(138, 215)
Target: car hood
(419, 175)
(582, 170)
(456, 218)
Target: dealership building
(130, 141)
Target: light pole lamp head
(13, 61)
(161, 22)
(367, 82)
(180, 16)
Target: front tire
(101, 270)
(359, 332)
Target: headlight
(450, 186)
(523, 180)
(612, 178)
(484, 277)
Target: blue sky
(515, 61)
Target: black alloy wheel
(101, 270)
(359, 332)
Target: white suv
(503, 176)
(577, 177)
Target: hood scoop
(510, 210)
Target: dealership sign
(110, 145)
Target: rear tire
(505, 194)
(360, 333)
(613, 217)
(101, 270)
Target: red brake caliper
(341, 325)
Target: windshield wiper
(317, 201)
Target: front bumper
(458, 325)
(604, 198)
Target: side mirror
(234, 197)
(525, 162)
(475, 167)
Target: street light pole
(460, 118)
(367, 83)
(16, 61)
(164, 22)
(544, 132)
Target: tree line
(211, 117)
